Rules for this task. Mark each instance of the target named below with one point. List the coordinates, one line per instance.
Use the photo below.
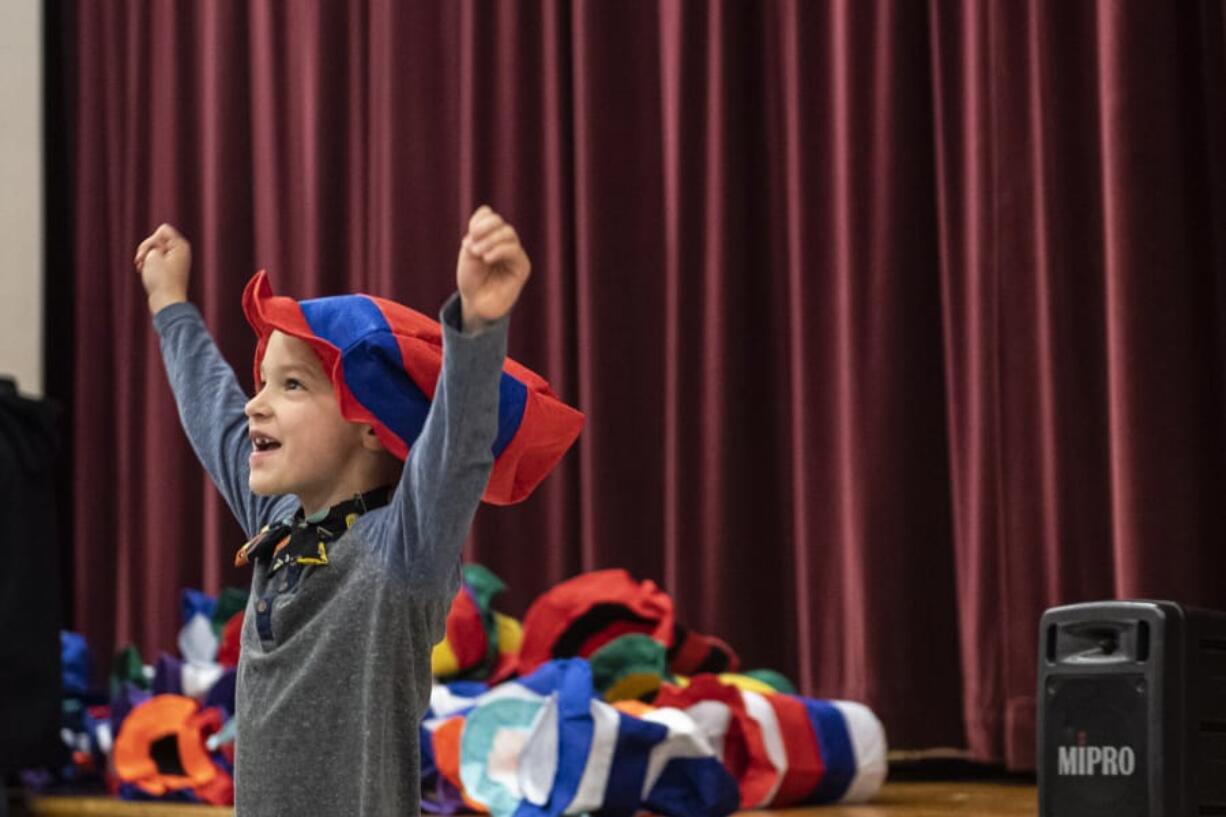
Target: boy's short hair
(384, 360)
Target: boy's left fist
(491, 271)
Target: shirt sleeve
(450, 462)
(211, 408)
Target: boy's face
(301, 443)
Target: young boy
(355, 559)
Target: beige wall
(21, 193)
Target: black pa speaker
(1132, 710)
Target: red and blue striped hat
(384, 361)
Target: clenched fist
(164, 261)
(491, 271)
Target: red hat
(384, 361)
(580, 615)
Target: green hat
(128, 666)
(773, 679)
(231, 601)
(630, 667)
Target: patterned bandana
(299, 540)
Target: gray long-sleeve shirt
(329, 706)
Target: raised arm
(450, 462)
(207, 393)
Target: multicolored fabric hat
(630, 667)
(231, 643)
(692, 653)
(384, 361)
(584, 613)
(161, 748)
(720, 714)
(580, 615)
(543, 747)
(481, 643)
(785, 750)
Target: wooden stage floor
(902, 799)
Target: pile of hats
(164, 731)
(587, 616)
(619, 708)
(599, 700)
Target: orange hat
(161, 748)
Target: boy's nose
(255, 407)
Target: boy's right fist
(164, 261)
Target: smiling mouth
(262, 443)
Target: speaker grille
(1095, 757)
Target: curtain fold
(894, 323)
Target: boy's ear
(370, 440)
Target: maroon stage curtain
(895, 323)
